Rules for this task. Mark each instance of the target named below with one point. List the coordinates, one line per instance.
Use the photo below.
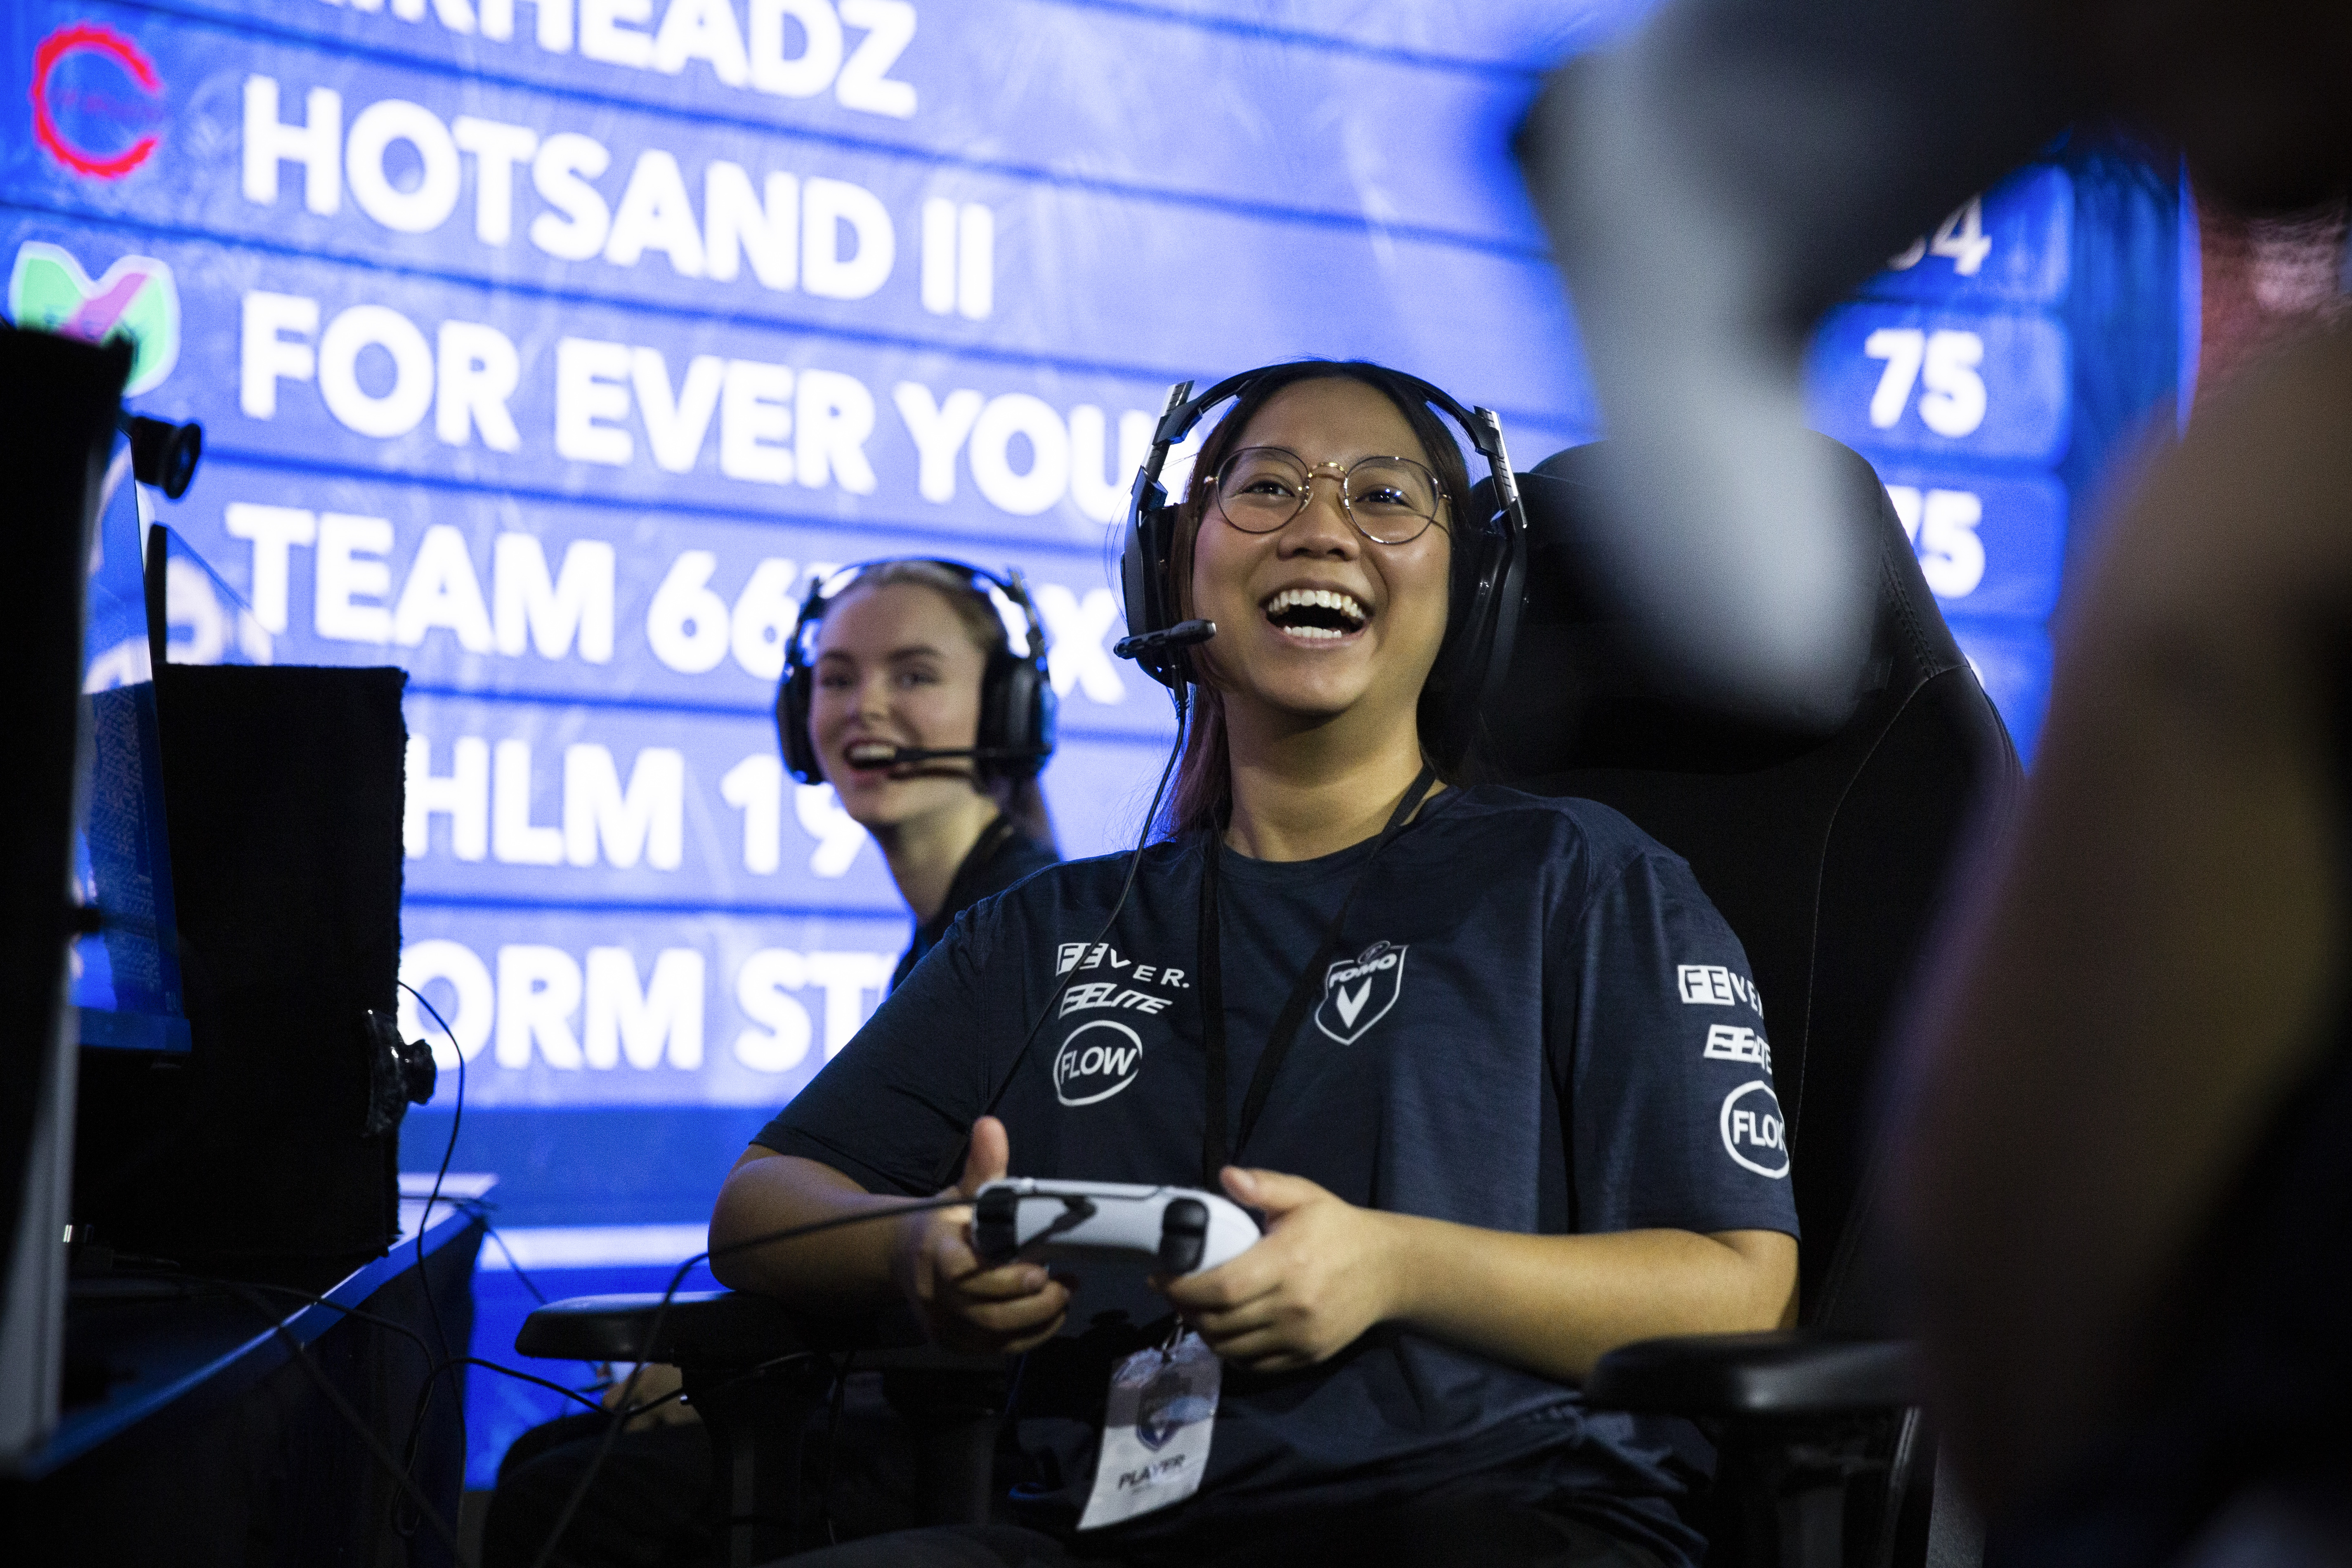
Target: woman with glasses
(1476, 1057)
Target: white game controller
(1171, 1230)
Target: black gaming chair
(1825, 854)
(1828, 857)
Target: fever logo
(50, 292)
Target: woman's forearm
(1555, 1304)
(848, 1268)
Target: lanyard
(1215, 1154)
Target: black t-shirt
(1001, 856)
(1540, 1025)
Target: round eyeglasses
(1389, 500)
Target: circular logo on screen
(97, 101)
(1754, 1134)
(1096, 1060)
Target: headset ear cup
(801, 758)
(1022, 704)
(1483, 619)
(1016, 699)
(1150, 597)
(1499, 629)
(998, 725)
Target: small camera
(400, 1074)
(164, 454)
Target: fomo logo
(1754, 1134)
(50, 292)
(1096, 1060)
(1358, 992)
(82, 114)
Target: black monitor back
(57, 403)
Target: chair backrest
(1826, 854)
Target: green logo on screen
(50, 292)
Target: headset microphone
(1183, 634)
(897, 756)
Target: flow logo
(77, 73)
(1358, 992)
(50, 292)
(1098, 1060)
(1754, 1134)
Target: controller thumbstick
(1183, 1235)
(995, 1231)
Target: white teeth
(1347, 605)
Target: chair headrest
(1584, 690)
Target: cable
(238, 1285)
(434, 1370)
(424, 1396)
(653, 1333)
(513, 1263)
(357, 1423)
(449, 1153)
(424, 1221)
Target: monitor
(126, 978)
(58, 408)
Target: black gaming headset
(1017, 704)
(1489, 571)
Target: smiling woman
(1434, 1035)
(1331, 447)
(903, 691)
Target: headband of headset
(1017, 704)
(1484, 624)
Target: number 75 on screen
(1983, 384)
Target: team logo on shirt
(1358, 992)
(1098, 1060)
(1754, 1134)
(1167, 1406)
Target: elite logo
(1754, 1134)
(1730, 1043)
(50, 292)
(1358, 992)
(1098, 1060)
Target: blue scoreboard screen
(550, 350)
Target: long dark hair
(1204, 782)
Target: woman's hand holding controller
(963, 1304)
(1322, 1274)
